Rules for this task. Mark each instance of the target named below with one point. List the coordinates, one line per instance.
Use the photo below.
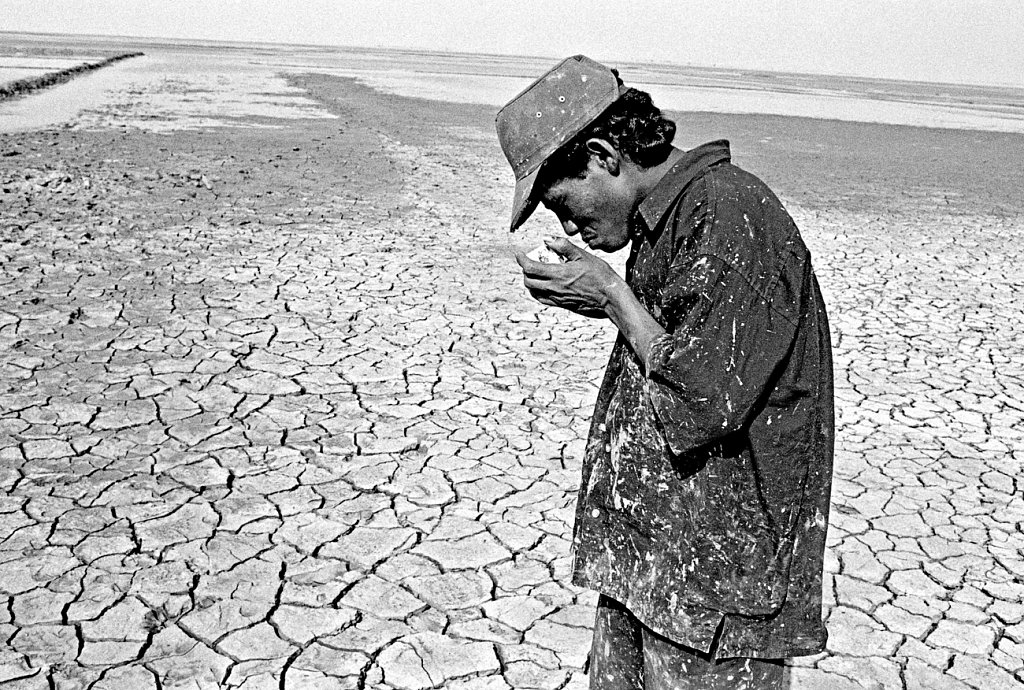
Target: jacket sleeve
(724, 344)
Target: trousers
(626, 655)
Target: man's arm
(708, 371)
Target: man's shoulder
(729, 183)
(725, 188)
(748, 227)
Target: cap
(547, 114)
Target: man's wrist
(615, 292)
(632, 319)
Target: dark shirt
(705, 490)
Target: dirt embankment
(22, 87)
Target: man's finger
(544, 297)
(522, 259)
(537, 284)
(564, 248)
(536, 268)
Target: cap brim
(523, 201)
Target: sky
(959, 41)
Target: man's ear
(604, 155)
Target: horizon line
(631, 61)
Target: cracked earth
(276, 412)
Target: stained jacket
(705, 490)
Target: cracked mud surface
(276, 412)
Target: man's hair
(632, 124)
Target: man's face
(597, 207)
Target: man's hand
(589, 286)
(582, 284)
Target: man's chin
(608, 248)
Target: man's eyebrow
(556, 207)
(552, 200)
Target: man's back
(718, 457)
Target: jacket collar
(690, 166)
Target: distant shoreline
(531, 60)
(23, 87)
(462, 79)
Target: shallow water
(820, 104)
(179, 86)
(493, 81)
(163, 91)
(18, 66)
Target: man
(704, 499)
